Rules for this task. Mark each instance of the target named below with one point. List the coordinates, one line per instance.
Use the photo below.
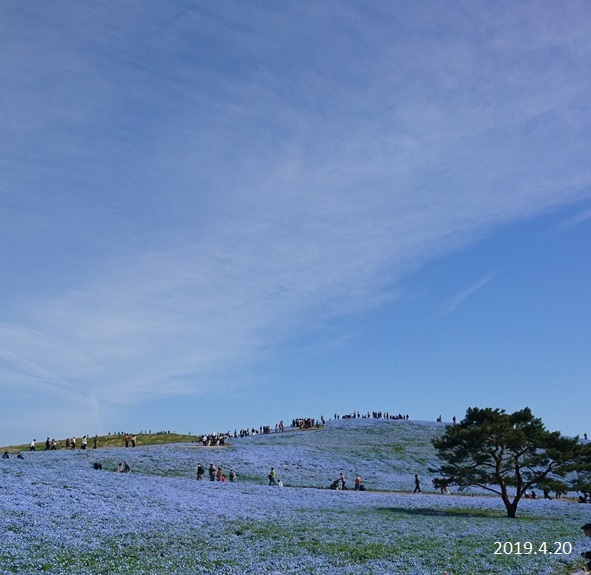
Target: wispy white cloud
(453, 303)
(572, 222)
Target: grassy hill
(111, 441)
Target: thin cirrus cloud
(453, 303)
(572, 222)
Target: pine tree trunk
(511, 506)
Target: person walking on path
(272, 477)
(417, 484)
(343, 481)
(200, 472)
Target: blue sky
(219, 215)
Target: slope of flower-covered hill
(61, 516)
(385, 453)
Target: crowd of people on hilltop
(213, 439)
(264, 429)
(370, 415)
(252, 431)
(307, 422)
(296, 423)
(147, 432)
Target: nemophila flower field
(59, 515)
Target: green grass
(112, 441)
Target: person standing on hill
(417, 484)
(272, 477)
(200, 472)
(343, 481)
